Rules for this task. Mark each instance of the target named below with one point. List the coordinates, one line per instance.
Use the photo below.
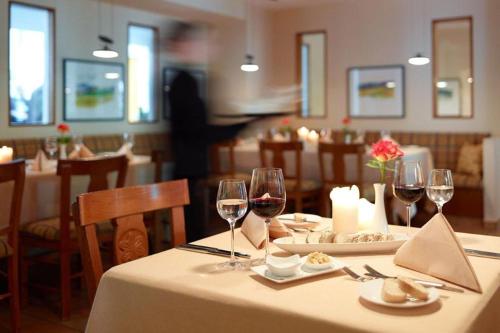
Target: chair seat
(214, 180)
(5, 249)
(49, 229)
(468, 181)
(305, 185)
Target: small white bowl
(318, 267)
(283, 266)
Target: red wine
(409, 193)
(267, 207)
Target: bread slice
(392, 293)
(412, 288)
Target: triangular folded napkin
(40, 161)
(84, 152)
(435, 250)
(254, 229)
(126, 150)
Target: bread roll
(412, 288)
(392, 293)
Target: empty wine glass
(267, 196)
(440, 187)
(408, 185)
(232, 203)
(77, 142)
(51, 146)
(129, 139)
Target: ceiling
(283, 4)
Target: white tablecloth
(179, 291)
(41, 190)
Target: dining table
(41, 194)
(181, 291)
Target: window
(141, 73)
(31, 65)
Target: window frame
(156, 69)
(52, 79)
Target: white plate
(371, 291)
(302, 273)
(289, 221)
(292, 245)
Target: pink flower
(346, 121)
(63, 128)
(285, 122)
(385, 150)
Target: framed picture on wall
(448, 97)
(93, 90)
(376, 91)
(169, 74)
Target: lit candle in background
(366, 211)
(345, 203)
(313, 136)
(302, 133)
(6, 154)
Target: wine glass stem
(268, 222)
(440, 209)
(233, 258)
(408, 216)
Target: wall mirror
(311, 73)
(452, 68)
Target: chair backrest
(13, 171)
(98, 171)
(159, 157)
(277, 150)
(126, 206)
(338, 167)
(216, 150)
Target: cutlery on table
(355, 276)
(374, 273)
(211, 250)
(484, 254)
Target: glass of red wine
(267, 196)
(408, 185)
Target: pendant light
(419, 59)
(105, 51)
(249, 65)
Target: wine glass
(440, 187)
(232, 203)
(267, 196)
(77, 142)
(408, 185)
(51, 146)
(129, 139)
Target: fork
(356, 276)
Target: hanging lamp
(249, 65)
(105, 51)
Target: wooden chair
(9, 245)
(338, 153)
(217, 171)
(58, 234)
(158, 158)
(126, 207)
(304, 193)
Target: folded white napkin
(254, 229)
(435, 250)
(125, 149)
(279, 137)
(84, 152)
(40, 162)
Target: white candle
(366, 211)
(302, 133)
(6, 154)
(345, 209)
(313, 137)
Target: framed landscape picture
(93, 90)
(376, 91)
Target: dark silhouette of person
(190, 131)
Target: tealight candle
(6, 154)
(345, 209)
(302, 133)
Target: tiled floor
(40, 318)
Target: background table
(179, 291)
(41, 189)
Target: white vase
(379, 217)
(62, 151)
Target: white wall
(366, 32)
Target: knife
(438, 285)
(211, 250)
(485, 254)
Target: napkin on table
(435, 250)
(40, 161)
(84, 152)
(125, 149)
(254, 229)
